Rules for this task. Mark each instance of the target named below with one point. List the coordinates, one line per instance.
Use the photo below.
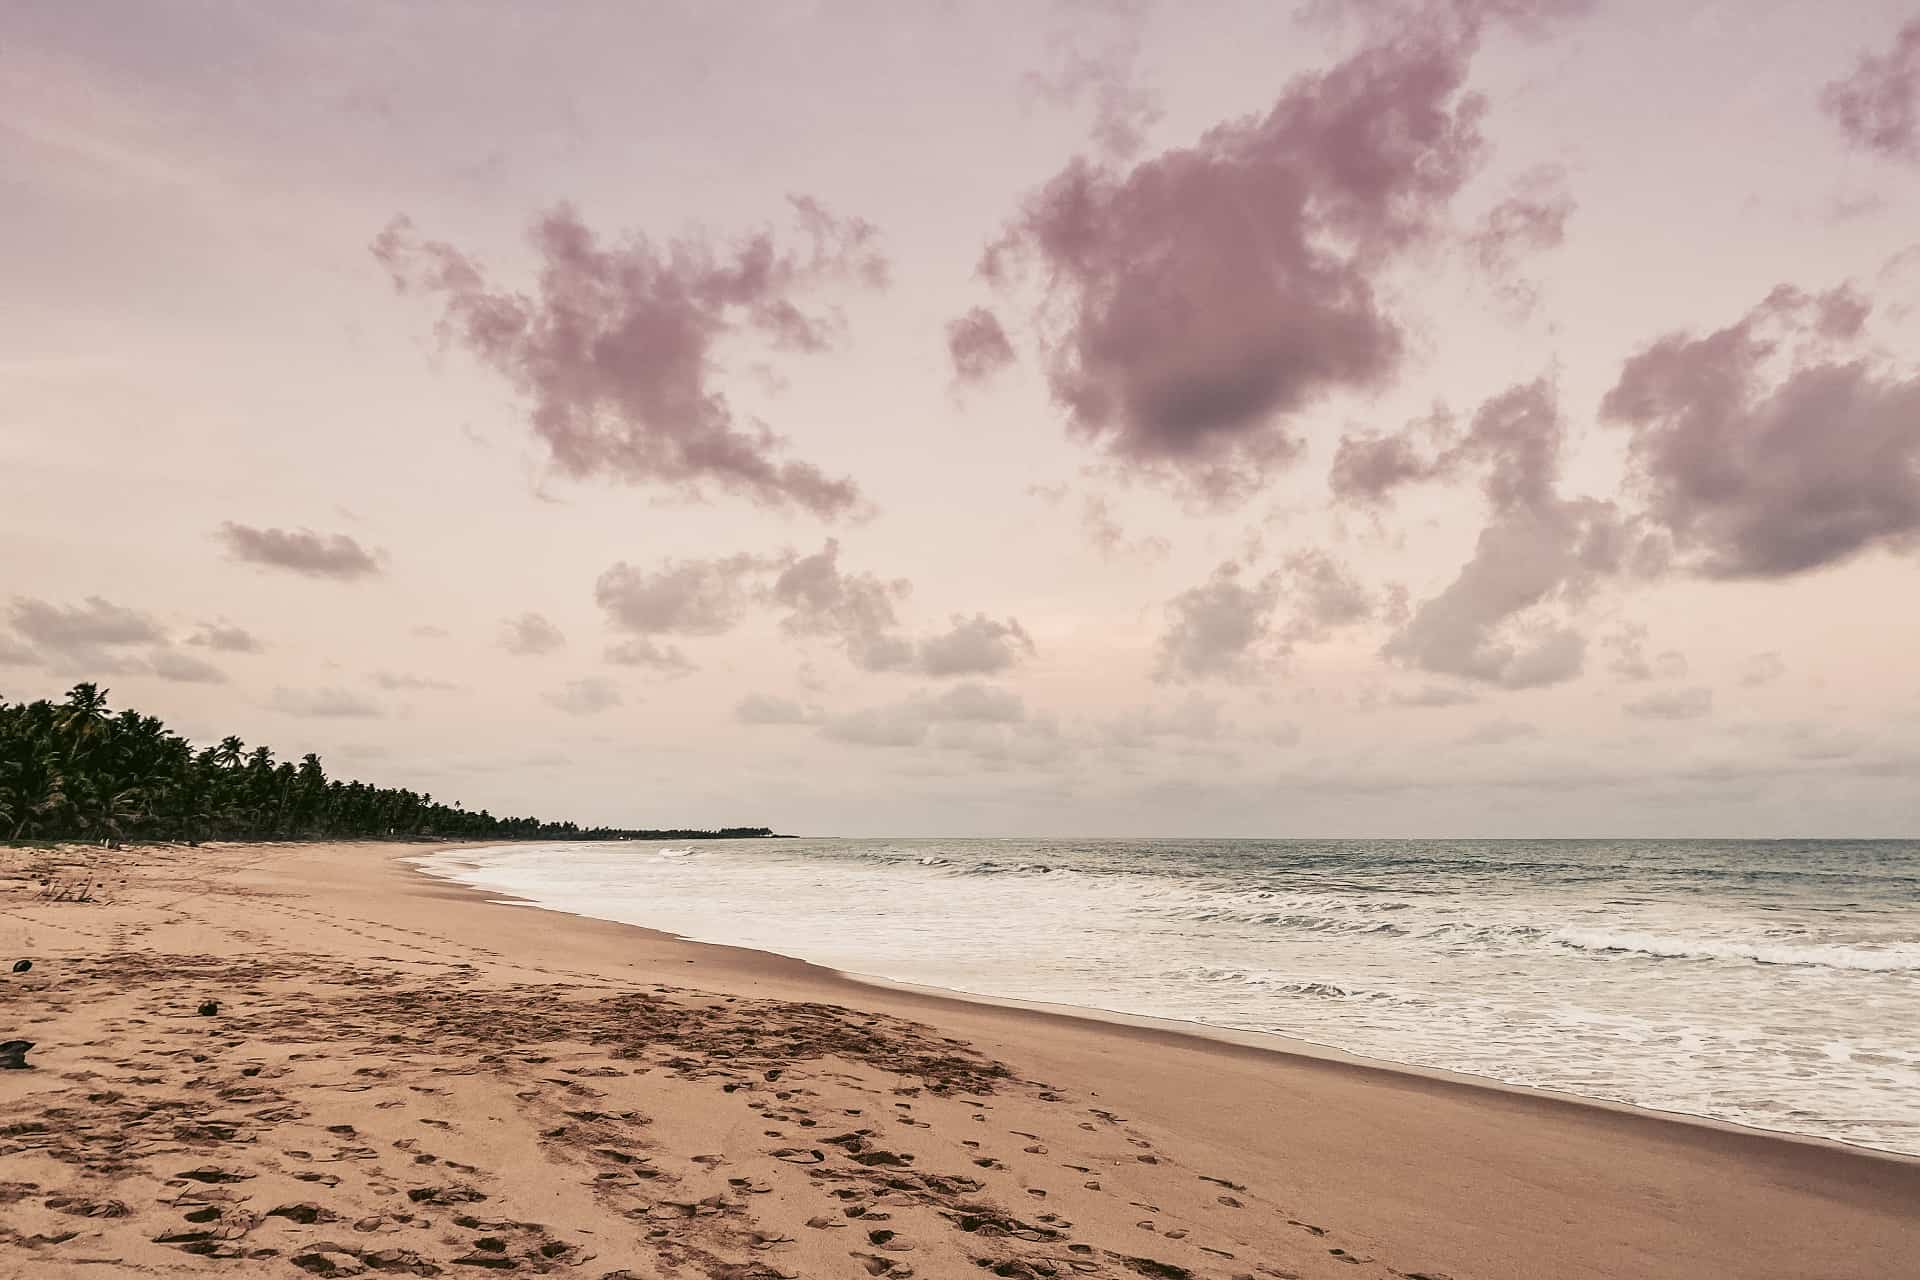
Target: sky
(1426, 418)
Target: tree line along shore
(74, 770)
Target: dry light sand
(403, 1078)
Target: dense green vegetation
(72, 770)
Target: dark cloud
(762, 708)
(1220, 629)
(324, 704)
(661, 659)
(1676, 704)
(1877, 107)
(1765, 449)
(184, 668)
(1205, 296)
(302, 551)
(978, 346)
(225, 639)
(586, 697)
(530, 634)
(974, 646)
(615, 354)
(396, 681)
(681, 597)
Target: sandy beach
(395, 1075)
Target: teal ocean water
(1773, 983)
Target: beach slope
(260, 1060)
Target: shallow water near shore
(1766, 983)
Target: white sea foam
(1767, 985)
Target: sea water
(1767, 983)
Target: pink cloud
(1770, 447)
(615, 353)
(1203, 297)
(1877, 107)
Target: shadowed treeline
(74, 770)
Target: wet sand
(402, 1077)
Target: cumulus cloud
(585, 697)
(226, 639)
(681, 597)
(1877, 107)
(1197, 302)
(644, 651)
(974, 646)
(763, 708)
(98, 637)
(530, 634)
(1218, 630)
(615, 353)
(1766, 449)
(1496, 621)
(1676, 704)
(302, 551)
(1225, 628)
(326, 703)
(184, 668)
(93, 624)
(1324, 595)
(978, 346)
(855, 610)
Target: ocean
(1767, 983)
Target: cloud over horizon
(301, 551)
